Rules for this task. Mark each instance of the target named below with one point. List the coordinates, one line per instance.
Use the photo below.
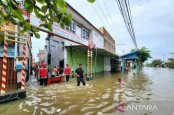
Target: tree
(156, 62)
(144, 54)
(170, 63)
(48, 11)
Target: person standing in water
(44, 75)
(67, 72)
(80, 75)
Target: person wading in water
(80, 75)
(67, 72)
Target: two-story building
(61, 51)
(14, 52)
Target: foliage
(156, 62)
(48, 11)
(170, 63)
(144, 54)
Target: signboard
(58, 31)
(10, 53)
(91, 44)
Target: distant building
(170, 60)
(60, 51)
(41, 56)
(33, 62)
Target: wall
(56, 50)
(98, 40)
(9, 26)
(109, 42)
(76, 57)
(107, 64)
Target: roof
(131, 55)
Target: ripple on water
(98, 98)
(106, 109)
(20, 106)
(109, 89)
(89, 113)
(91, 100)
(46, 104)
(26, 110)
(105, 96)
(51, 110)
(58, 110)
(63, 112)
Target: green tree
(156, 62)
(144, 54)
(48, 11)
(170, 63)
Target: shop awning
(102, 52)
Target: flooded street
(153, 86)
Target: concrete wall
(57, 50)
(98, 40)
(107, 64)
(76, 57)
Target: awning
(132, 55)
(102, 52)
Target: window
(78, 30)
(67, 28)
(85, 33)
(73, 27)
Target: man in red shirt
(67, 72)
(37, 73)
(43, 75)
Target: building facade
(61, 51)
(14, 53)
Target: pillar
(122, 65)
(88, 54)
(136, 66)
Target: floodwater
(149, 93)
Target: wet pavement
(149, 93)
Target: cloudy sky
(153, 24)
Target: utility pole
(172, 57)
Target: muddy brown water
(153, 87)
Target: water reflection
(99, 96)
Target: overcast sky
(153, 24)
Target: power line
(130, 19)
(129, 22)
(124, 8)
(98, 14)
(109, 15)
(106, 18)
